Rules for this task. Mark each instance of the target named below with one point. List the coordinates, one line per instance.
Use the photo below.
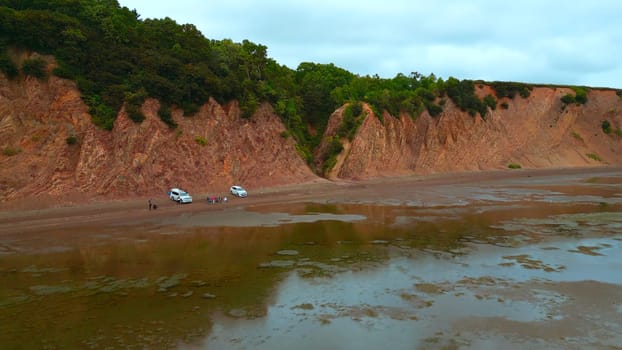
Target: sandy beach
(440, 189)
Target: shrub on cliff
(11, 151)
(166, 116)
(606, 126)
(352, 119)
(579, 97)
(133, 104)
(35, 67)
(594, 156)
(8, 67)
(462, 93)
(568, 99)
(433, 109)
(491, 102)
(330, 156)
(510, 89)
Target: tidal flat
(528, 263)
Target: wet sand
(431, 191)
(504, 259)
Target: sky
(531, 41)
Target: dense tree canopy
(116, 58)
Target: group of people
(215, 200)
(152, 206)
(210, 199)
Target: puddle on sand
(356, 275)
(253, 219)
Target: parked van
(238, 191)
(179, 196)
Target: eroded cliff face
(36, 161)
(133, 159)
(533, 132)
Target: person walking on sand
(150, 204)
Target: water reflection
(416, 301)
(355, 275)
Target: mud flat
(470, 261)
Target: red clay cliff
(216, 148)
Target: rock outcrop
(206, 153)
(216, 148)
(534, 132)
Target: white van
(179, 196)
(238, 191)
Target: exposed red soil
(216, 148)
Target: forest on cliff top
(118, 59)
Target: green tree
(316, 85)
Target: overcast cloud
(532, 41)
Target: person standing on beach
(150, 204)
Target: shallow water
(415, 299)
(498, 268)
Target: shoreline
(18, 219)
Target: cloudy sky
(533, 41)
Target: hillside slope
(36, 118)
(534, 132)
